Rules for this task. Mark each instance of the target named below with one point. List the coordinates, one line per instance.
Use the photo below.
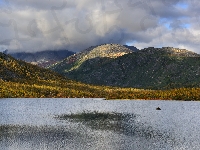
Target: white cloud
(14, 45)
(36, 25)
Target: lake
(94, 124)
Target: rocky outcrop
(105, 50)
(171, 51)
(101, 51)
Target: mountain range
(117, 65)
(19, 79)
(43, 58)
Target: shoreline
(104, 99)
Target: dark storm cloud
(34, 25)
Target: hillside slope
(19, 79)
(150, 68)
(17, 70)
(102, 51)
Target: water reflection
(86, 130)
(43, 137)
(99, 120)
(121, 123)
(49, 124)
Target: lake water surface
(95, 124)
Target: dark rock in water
(158, 108)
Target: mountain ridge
(43, 58)
(101, 51)
(19, 79)
(149, 68)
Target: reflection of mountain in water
(121, 123)
(43, 137)
(87, 130)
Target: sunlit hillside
(149, 68)
(19, 79)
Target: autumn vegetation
(19, 79)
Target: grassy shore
(73, 89)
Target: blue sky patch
(182, 5)
(130, 43)
(165, 22)
(186, 25)
(2, 2)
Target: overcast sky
(35, 25)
